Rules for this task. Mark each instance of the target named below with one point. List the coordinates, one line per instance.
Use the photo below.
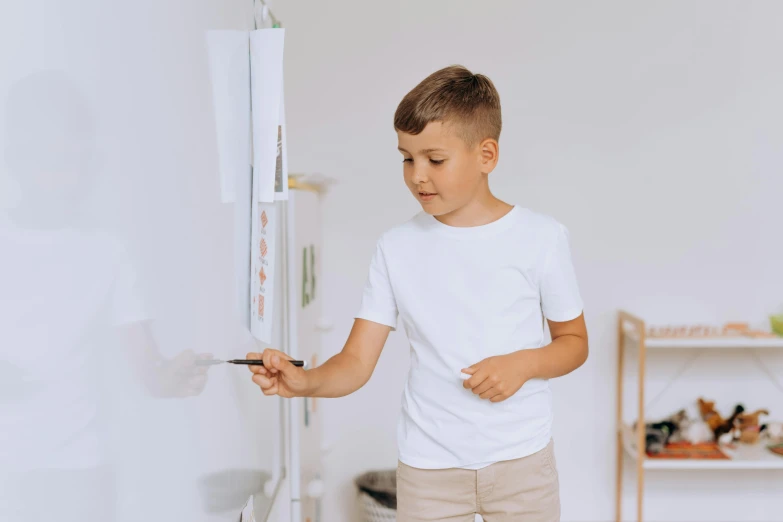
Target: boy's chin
(432, 210)
(435, 210)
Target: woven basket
(373, 511)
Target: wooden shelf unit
(630, 327)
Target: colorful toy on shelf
(725, 431)
(735, 329)
(709, 414)
(729, 425)
(703, 331)
(697, 432)
(684, 331)
(659, 434)
(750, 427)
(774, 432)
(686, 451)
(680, 429)
(776, 323)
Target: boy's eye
(407, 160)
(437, 162)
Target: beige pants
(521, 490)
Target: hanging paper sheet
(229, 67)
(266, 71)
(262, 274)
(281, 166)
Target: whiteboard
(134, 88)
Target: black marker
(249, 362)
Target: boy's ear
(488, 155)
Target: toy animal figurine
(658, 434)
(676, 422)
(729, 424)
(709, 414)
(697, 432)
(749, 426)
(774, 432)
(726, 438)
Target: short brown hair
(452, 95)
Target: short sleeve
(560, 297)
(378, 303)
(126, 303)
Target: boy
(472, 279)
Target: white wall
(652, 131)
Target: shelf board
(710, 342)
(755, 456)
(729, 342)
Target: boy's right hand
(278, 376)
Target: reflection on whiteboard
(229, 68)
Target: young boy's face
(441, 170)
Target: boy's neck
(479, 211)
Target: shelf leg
(620, 369)
(641, 437)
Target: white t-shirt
(62, 293)
(462, 295)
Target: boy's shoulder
(418, 224)
(540, 223)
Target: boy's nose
(419, 176)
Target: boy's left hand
(498, 378)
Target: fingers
(255, 369)
(484, 383)
(478, 374)
(267, 356)
(276, 361)
(268, 385)
(283, 365)
(494, 391)
(275, 365)
(499, 398)
(487, 385)
(478, 377)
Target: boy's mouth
(427, 196)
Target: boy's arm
(341, 375)
(498, 378)
(567, 351)
(350, 369)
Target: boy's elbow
(584, 351)
(362, 370)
